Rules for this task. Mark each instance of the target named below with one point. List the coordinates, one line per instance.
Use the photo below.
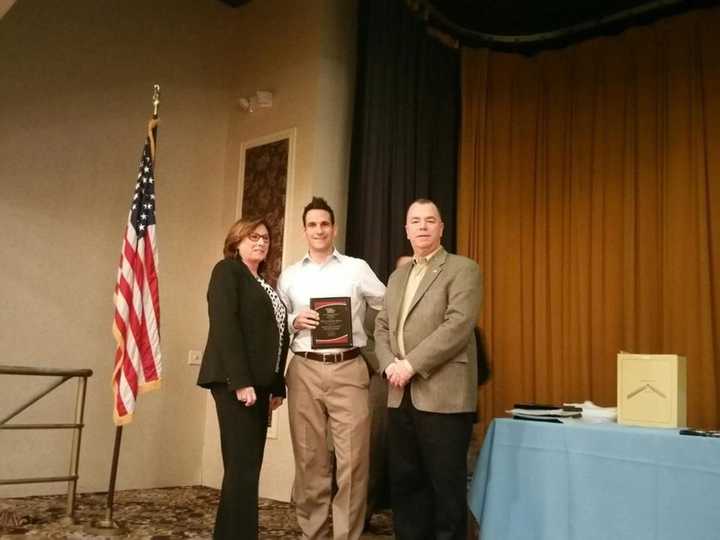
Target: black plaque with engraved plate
(335, 328)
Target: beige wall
(5, 5)
(74, 102)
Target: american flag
(137, 307)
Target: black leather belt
(331, 358)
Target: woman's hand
(275, 402)
(246, 395)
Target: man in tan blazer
(425, 347)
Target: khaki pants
(334, 397)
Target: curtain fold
(405, 132)
(589, 192)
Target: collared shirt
(417, 273)
(339, 275)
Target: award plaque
(335, 328)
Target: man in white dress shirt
(328, 388)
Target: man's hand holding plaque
(334, 329)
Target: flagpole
(108, 526)
(152, 126)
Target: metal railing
(77, 426)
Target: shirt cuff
(291, 321)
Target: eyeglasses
(255, 237)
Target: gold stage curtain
(589, 193)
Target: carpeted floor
(149, 514)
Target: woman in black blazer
(243, 366)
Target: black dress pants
(428, 472)
(242, 439)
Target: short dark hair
(318, 203)
(423, 200)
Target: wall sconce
(261, 99)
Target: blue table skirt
(536, 480)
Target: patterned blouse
(280, 313)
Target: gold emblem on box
(652, 390)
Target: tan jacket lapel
(436, 264)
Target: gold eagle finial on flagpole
(156, 99)
(154, 120)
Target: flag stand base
(105, 527)
(108, 526)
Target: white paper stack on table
(594, 414)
